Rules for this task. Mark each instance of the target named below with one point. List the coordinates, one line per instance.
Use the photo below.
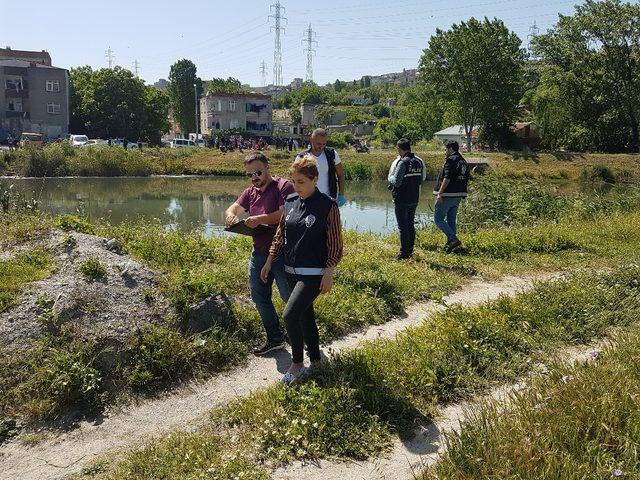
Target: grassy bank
(361, 397)
(63, 160)
(531, 235)
(579, 421)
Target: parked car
(182, 143)
(31, 139)
(118, 143)
(77, 140)
(95, 141)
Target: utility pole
(310, 40)
(195, 95)
(109, 56)
(136, 67)
(263, 73)
(277, 51)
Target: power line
(109, 56)
(277, 51)
(263, 73)
(310, 41)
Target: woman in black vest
(310, 238)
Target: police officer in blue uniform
(406, 175)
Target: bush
(92, 269)
(340, 139)
(69, 223)
(598, 173)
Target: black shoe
(401, 256)
(269, 346)
(451, 246)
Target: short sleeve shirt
(323, 171)
(257, 202)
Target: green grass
(579, 421)
(369, 288)
(20, 270)
(362, 396)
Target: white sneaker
(290, 377)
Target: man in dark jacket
(331, 179)
(450, 190)
(406, 175)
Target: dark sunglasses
(253, 174)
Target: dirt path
(409, 458)
(186, 408)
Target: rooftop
(11, 53)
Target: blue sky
(232, 38)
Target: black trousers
(299, 316)
(406, 215)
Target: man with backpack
(450, 190)
(406, 175)
(330, 171)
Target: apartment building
(251, 112)
(34, 96)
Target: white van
(182, 143)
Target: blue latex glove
(341, 201)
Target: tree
(181, 94)
(230, 85)
(295, 115)
(594, 69)
(156, 115)
(309, 93)
(112, 102)
(390, 130)
(477, 67)
(324, 114)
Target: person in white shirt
(330, 171)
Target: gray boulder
(215, 311)
(114, 246)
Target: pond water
(195, 202)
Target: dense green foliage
(220, 85)
(588, 97)
(184, 83)
(476, 68)
(112, 102)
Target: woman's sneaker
(269, 346)
(290, 377)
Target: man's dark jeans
(405, 216)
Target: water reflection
(188, 202)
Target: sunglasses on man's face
(253, 174)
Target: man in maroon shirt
(264, 201)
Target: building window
(13, 84)
(219, 105)
(53, 85)
(15, 105)
(232, 105)
(53, 108)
